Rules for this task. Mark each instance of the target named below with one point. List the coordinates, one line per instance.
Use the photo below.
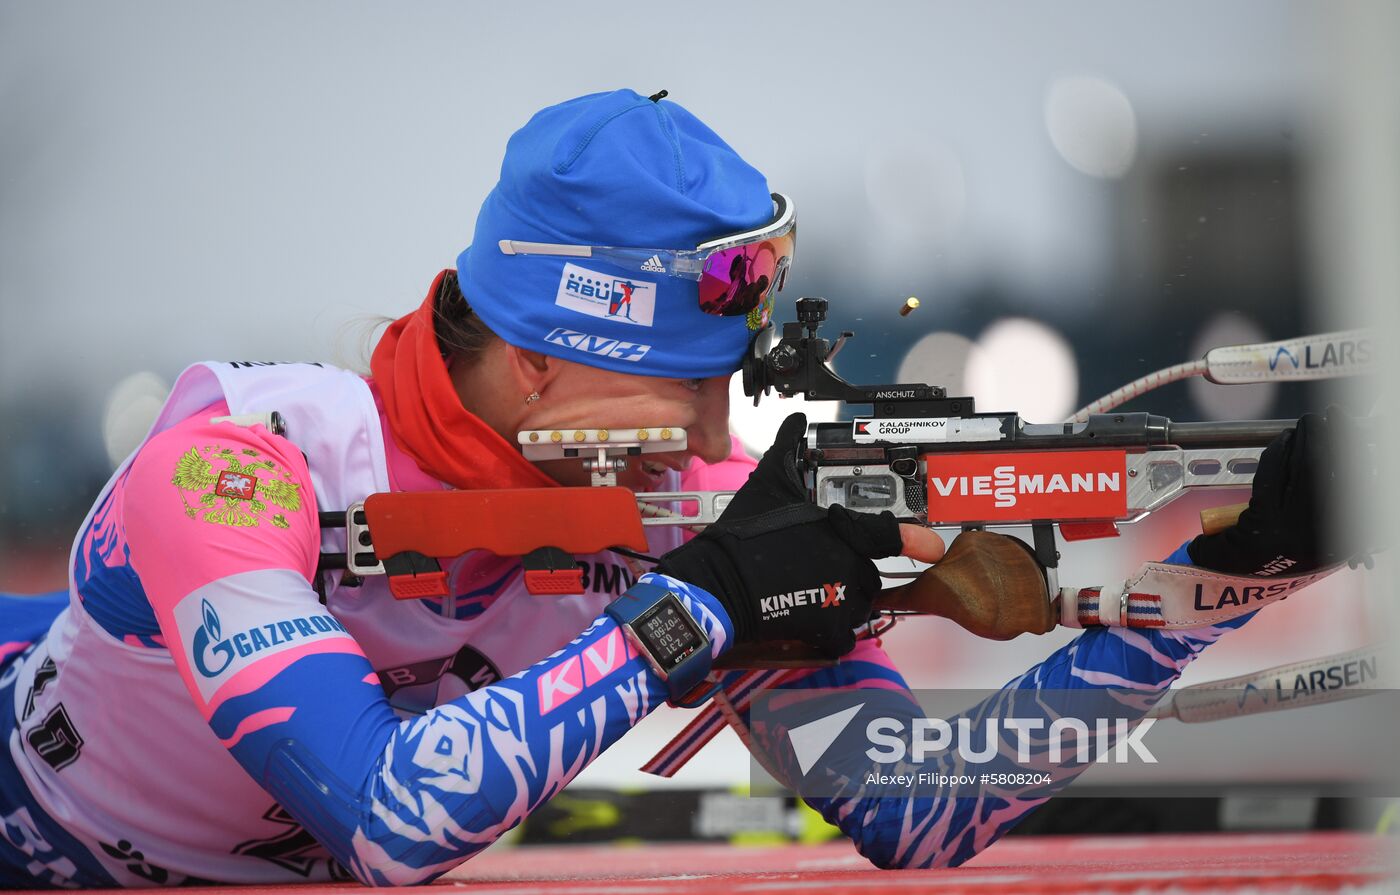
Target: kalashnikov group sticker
(917, 429)
(235, 487)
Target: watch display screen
(668, 631)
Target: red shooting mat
(1219, 862)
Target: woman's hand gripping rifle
(798, 580)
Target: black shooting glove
(783, 568)
(1286, 529)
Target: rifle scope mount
(800, 364)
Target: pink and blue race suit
(193, 710)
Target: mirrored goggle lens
(735, 281)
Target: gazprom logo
(1280, 355)
(592, 344)
(211, 661)
(618, 299)
(213, 653)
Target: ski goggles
(737, 274)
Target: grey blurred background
(1079, 193)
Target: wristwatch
(657, 625)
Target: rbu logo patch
(621, 299)
(597, 344)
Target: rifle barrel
(1227, 433)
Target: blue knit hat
(612, 169)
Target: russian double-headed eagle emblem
(239, 494)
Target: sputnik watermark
(1033, 743)
(895, 741)
(1112, 742)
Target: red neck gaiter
(428, 419)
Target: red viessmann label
(1022, 486)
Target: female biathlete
(202, 705)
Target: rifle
(927, 457)
(932, 459)
(918, 446)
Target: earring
(532, 397)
